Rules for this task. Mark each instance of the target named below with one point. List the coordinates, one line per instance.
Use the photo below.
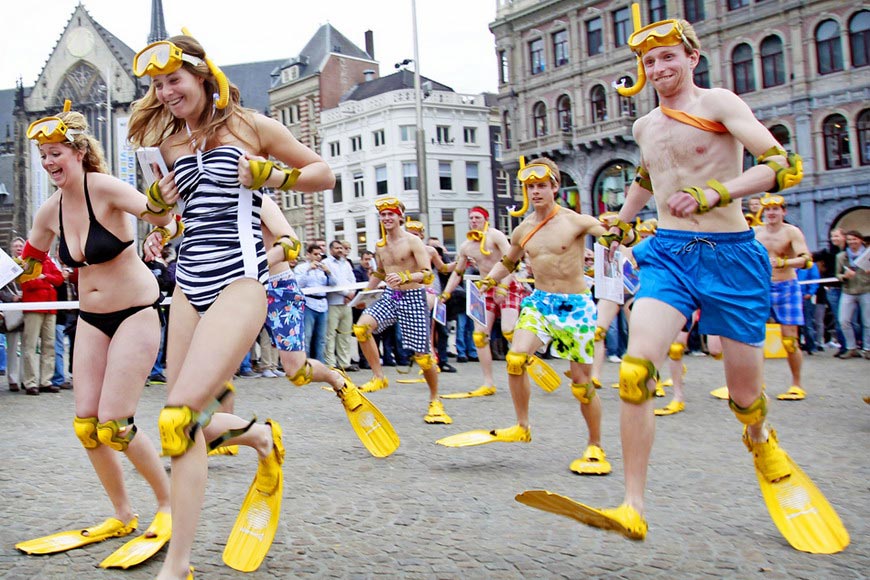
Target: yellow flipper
(802, 513)
(671, 408)
(410, 381)
(140, 549)
(515, 434)
(369, 424)
(622, 520)
(484, 391)
(63, 541)
(225, 450)
(257, 522)
(543, 374)
(720, 393)
(794, 393)
(593, 462)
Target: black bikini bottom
(108, 322)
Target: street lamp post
(422, 184)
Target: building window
(356, 143)
(563, 113)
(859, 39)
(536, 55)
(594, 37)
(409, 175)
(560, 48)
(598, 101)
(772, 62)
(744, 78)
(381, 179)
(539, 119)
(621, 26)
(379, 137)
(445, 176)
(337, 196)
(702, 73)
(836, 132)
(469, 135)
(338, 230)
(737, 4)
(443, 134)
(360, 234)
(359, 186)
(407, 133)
(657, 10)
(781, 134)
(864, 137)
(496, 145)
(828, 49)
(334, 149)
(472, 180)
(504, 71)
(694, 10)
(610, 186)
(506, 123)
(501, 183)
(448, 229)
(627, 107)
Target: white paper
(9, 269)
(152, 164)
(475, 303)
(365, 298)
(608, 275)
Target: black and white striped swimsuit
(222, 237)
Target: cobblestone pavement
(432, 512)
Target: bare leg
(580, 373)
(524, 342)
(796, 358)
(369, 347)
(744, 366)
(607, 311)
(653, 326)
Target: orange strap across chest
(695, 121)
(529, 235)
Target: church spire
(158, 23)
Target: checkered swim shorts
(408, 308)
(515, 294)
(786, 302)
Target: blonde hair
(151, 122)
(94, 160)
(690, 35)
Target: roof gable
(326, 41)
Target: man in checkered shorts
(485, 247)
(787, 249)
(404, 266)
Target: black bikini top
(101, 244)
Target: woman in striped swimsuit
(216, 151)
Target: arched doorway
(611, 185)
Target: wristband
(260, 172)
(290, 177)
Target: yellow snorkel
(641, 74)
(512, 209)
(222, 98)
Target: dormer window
(290, 74)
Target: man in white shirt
(314, 274)
(339, 321)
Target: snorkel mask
(164, 57)
(52, 129)
(394, 205)
(526, 173)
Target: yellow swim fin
(623, 520)
(802, 513)
(370, 425)
(484, 391)
(140, 549)
(63, 541)
(720, 393)
(543, 374)
(257, 522)
(593, 462)
(515, 434)
(225, 450)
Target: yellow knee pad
(508, 336)
(600, 333)
(303, 375)
(583, 392)
(634, 374)
(480, 338)
(676, 351)
(426, 361)
(173, 424)
(790, 344)
(363, 332)
(109, 433)
(516, 362)
(86, 430)
(754, 413)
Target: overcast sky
(456, 46)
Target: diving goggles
(50, 130)
(535, 171)
(392, 204)
(657, 34)
(161, 58)
(772, 201)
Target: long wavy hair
(151, 123)
(94, 160)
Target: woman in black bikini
(118, 331)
